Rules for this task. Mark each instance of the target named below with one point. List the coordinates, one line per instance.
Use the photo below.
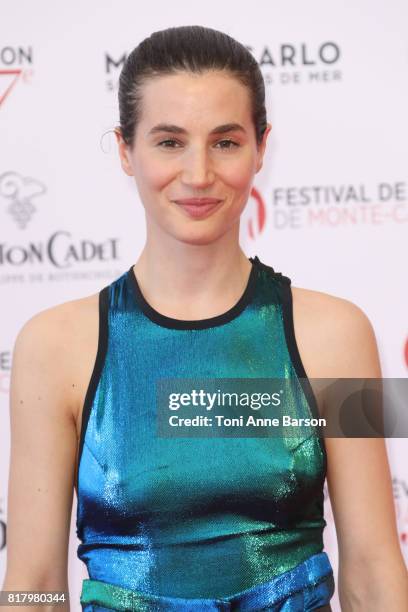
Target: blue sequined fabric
(193, 518)
(308, 586)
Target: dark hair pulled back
(191, 49)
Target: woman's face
(195, 139)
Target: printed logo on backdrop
(113, 66)
(5, 370)
(254, 215)
(329, 206)
(59, 255)
(15, 68)
(400, 489)
(281, 64)
(298, 62)
(335, 206)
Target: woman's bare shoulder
(331, 332)
(325, 308)
(62, 340)
(66, 317)
(60, 327)
(314, 299)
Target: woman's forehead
(209, 97)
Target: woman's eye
(228, 142)
(164, 143)
(170, 143)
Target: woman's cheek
(238, 169)
(238, 174)
(153, 174)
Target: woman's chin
(198, 235)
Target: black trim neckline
(172, 323)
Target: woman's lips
(198, 207)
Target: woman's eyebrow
(175, 129)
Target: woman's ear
(123, 150)
(261, 148)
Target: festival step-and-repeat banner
(329, 208)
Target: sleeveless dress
(205, 523)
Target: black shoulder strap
(97, 369)
(285, 291)
(277, 275)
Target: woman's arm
(372, 571)
(43, 452)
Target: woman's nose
(197, 170)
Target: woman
(202, 524)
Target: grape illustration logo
(45, 253)
(18, 192)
